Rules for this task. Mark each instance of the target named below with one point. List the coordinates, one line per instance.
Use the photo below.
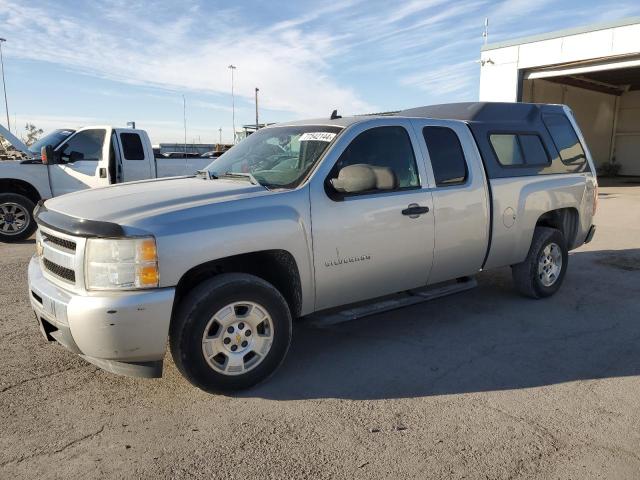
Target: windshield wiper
(247, 176)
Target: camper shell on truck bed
(520, 120)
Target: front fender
(207, 233)
(33, 174)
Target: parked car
(180, 155)
(212, 154)
(401, 208)
(88, 158)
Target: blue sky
(73, 63)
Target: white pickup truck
(90, 157)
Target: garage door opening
(605, 98)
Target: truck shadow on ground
(485, 339)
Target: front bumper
(121, 332)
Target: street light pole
(220, 138)
(4, 85)
(184, 118)
(257, 90)
(233, 103)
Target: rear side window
(387, 147)
(534, 152)
(132, 146)
(566, 140)
(507, 149)
(519, 149)
(447, 157)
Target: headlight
(121, 264)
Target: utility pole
(233, 103)
(257, 90)
(184, 118)
(4, 85)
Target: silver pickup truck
(325, 219)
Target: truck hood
(128, 203)
(15, 141)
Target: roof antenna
(485, 33)
(334, 115)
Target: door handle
(414, 210)
(103, 172)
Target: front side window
(278, 157)
(86, 145)
(446, 155)
(389, 150)
(565, 138)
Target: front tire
(16, 217)
(230, 333)
(542, 272)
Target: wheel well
(278, 267)
(563, 219)
(10, 185)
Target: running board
(412, 297)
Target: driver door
(83, 163)
(378, 242)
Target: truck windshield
(277, 157)
(54, 139)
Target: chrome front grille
(59, 257)
(60, 271)
(61, 242)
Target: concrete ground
(485, 384)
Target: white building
(595, 70)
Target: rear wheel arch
(277, 267)
(566, 220)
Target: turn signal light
(148, 276)
(43, 155)
(147, 250)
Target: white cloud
(457, 81)
(288, 65)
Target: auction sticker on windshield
(317, 136)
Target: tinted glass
(86, 145)
(534, 152)
(566, 140)
(54, 139)
(387, 147)
(507, 149)
(447, 157)
(132, 146)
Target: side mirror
(362, 178)
(47, 155)
(354, 179)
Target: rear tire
(16, 217)
(230, 333)
(542, 272)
